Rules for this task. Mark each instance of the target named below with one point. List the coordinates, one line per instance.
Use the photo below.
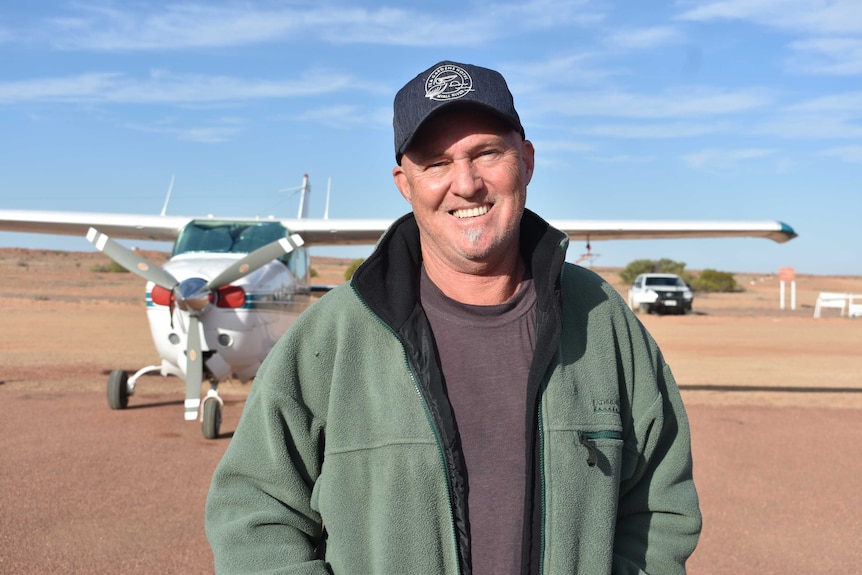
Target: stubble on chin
(474, 234)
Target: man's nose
(466, 179)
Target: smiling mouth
(471, 212)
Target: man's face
(466, 176)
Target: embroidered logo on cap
(448, 82)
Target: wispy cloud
(850, 154)
(476, 25)
(622, 159)
(540, 13)
(844, 103)
(827, 56)
(344, 116)
(216, 132)
(831, 43)
(812, 127)
(714, 159)
(562, 146)
(656, 131)
(162, 87)
(574, 69)
(838, 116)
(643, 38)
(806, 16)
(103, 26)
(674, 104)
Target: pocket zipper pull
(591, 449)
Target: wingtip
(786, 233)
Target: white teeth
(471, 212)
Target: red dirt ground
(774, 398)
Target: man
(469, 402)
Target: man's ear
(401, 183)
(529, 157)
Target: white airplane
(232, 286)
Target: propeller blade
(130, 260)
(194, 369)
(255, 260)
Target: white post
(788, 275)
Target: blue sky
(733, 109)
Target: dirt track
(774, 398)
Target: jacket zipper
(440, 452)
(429, 417)
(544, 496)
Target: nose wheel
(211, 417)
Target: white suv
(661, 293)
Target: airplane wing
(656, 229)
(126, 226)
(318, 231)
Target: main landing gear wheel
(211, 418)
(118, 389)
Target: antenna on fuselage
(168, 197)
(303, 198)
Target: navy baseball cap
(446, 84)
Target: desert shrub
(634, 269)
(312, 273)
(662, 266)
(110, 267)
(715, 281)
(348, 273)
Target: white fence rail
(849, 304)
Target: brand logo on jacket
(606, 406)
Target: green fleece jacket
(346, 459)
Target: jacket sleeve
(659, 520)
(259, 513)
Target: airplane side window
(298, 264)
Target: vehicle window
(664, 282)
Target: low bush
(662, 266)
(110, 267)
(348, 273)
(715, 281)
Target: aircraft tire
(118, 389)
(211, 419)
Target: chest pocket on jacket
(581, 491)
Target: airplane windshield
(227, 237)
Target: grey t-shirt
(485, 354)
